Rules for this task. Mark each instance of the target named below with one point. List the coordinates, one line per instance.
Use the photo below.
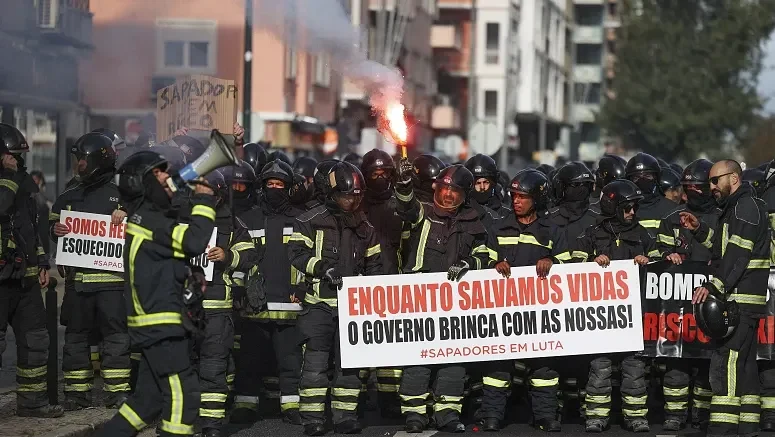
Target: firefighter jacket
(271, 233)
(650, 212)
(525, 245)
(96, 197)
(388, 225)
(741, 248)
(573, 224)
(156, 265)
(769, 199)
(322, 240)
(21, 254)
(673, 238)
(437, 241)
(615, 241)
(233, 237)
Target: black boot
(491, 424)
(292, 417)
(116, 400)
(315, 429)
(455, 426)
(348, 427)
(243, 416)
(44, 412)
(548, 425)
(211, 432)
(414, 426)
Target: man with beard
(270, 355)
(525, 237)
(616, 237)
(644, 171)
(380, 208)
(484, 194)
(677, 244)
(740, 276)
(445, 236)
(329, 242)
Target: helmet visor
(448, 196)
(347, 202)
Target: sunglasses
(714, 180)
(629, 206)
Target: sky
(767, 78)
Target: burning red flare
(392, 124)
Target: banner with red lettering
(93, 242)
(403, 320)
(669, 326)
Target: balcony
(445, 116)
(445, 36)
(66, 22)
(587, 73)
(588, 35)
(585, 112)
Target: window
(290, 63)
(323, 70)
(492, 43)
(490, 104)
(589, 54)
(186, 46)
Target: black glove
(255, 294)
(405, 170)
(333, 278)
(457, 270)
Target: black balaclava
(276, 198)
(576, 199)
(700, 202)
(302, 194)
(155, 193)
(243, 200)
(648, 187)
(379, 189)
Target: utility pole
(575, 134)
(247, 71)
(472, 94)
(545, 20)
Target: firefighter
(320, 236)
(670, 185)
(23, 272)
(270, 352)
(740, 275)
(354, 159)
(573, 185)
(426, 168)
(677, 245)
(758, 180)
(304, 168)
(644, 170)
(616, 237)
(276, 155)
(321, 184)
(380, 207)
(97, 299)
(767, 367)
(255, 155)
(445, 236)
(609, 168)
(158, 249)
(233, 252)
(526, 237)
(484, 194)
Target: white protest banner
(93, 242)
(424, 319)
(202, 261)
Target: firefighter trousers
(214, 354)
(21, 306)
(734, 380)
(633, 388)
(701, 392)
(166, 384)
(269, 362)
(105, 310)
(675, 388)
(496, 389)
(544, 384)
(448, 388)
(388, 382)
(318, 327)
(767, 382)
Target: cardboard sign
(197, 102)
(405, 320)
(202, 261)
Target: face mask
(276, 197)
(577, 194)
(378, 186)
(481, 197)
(302, 195)
(155, 193)
(646, 185)
(697, 200)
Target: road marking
(422, 434)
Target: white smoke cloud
(323, 27)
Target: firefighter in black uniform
(97, 299)
(426, 168)
(157, 252)
(670, 185)
(270, 352)
(525, 237)
(644, 170)
(485, 172)
(445, 236)
(758, 180)
(616, 237)
(741, 245)
(233, 252)
(321, 236)
(255, 155)
(305, 168)
(767, 367)
(23, 272)
(380, 208)
(321, 184)
(677, 245)
(609, 169)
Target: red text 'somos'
(94, 228)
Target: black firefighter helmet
(642, 163)
(118, 142)
(98, 152)
(305, 166)
(12, 140)
(619, 196)
(376, 159)
(669, 179)
(241, 178)
(697, 173)
(531, 183)
(426, 169)
(609, 169)
(574, 172)
(279, 155)
(320, 179)
(279, 170)
(131, 176)
(483, 166)
(346, 187)
(757, 179)
(255, 155)
(452, 187)
(717, 318)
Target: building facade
(143, 46)
(43, 44)
(594, 43)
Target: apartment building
(594, 42)
(42, 44)
(144, 45)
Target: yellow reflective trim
(27, 388)
(708, 243)
(420, 256)
(544, 382)
(35, 372)
(683, 391)
(666, 239)
(579, 254)
(78, 374)
(178, 233)
(137, 241)
(759, 264)
(405, 197)
(719, 285)
(373, 250)
(101, 278)
(650, 224)
(52, 216)
(732, 374)
(214, 413)
(115, 373)
(298, 236)
(494, 382)
(130, 416)
(11, 185)
(318, 406)
(116, 388)
(153, 319)
(724, 418)
(204, 211)
(740, 242)
(748, 299)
